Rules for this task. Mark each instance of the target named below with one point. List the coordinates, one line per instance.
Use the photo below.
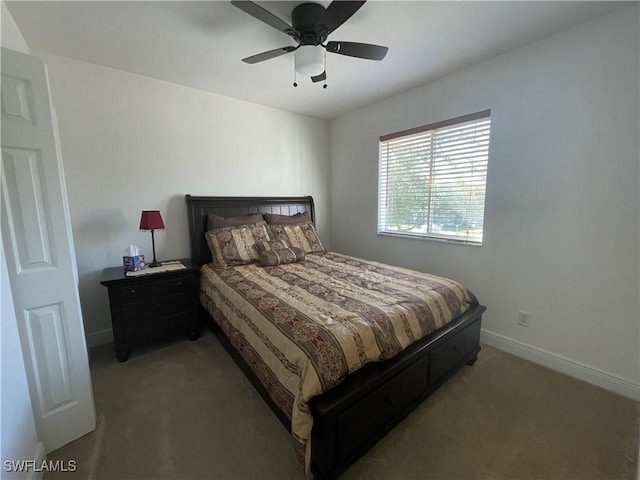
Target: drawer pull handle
(180, 283)
(133, 291)
(390, 400)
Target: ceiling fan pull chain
(295, 83)
(324, 60)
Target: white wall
(562, 207)
(11, 36)
(18, 438)
(132, 143)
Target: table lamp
(152, 220)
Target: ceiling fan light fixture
(309, 60)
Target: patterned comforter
(303, 327)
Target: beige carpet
(184, 410)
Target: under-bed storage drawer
(449, 354)
(360, 422)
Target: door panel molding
(23, 184)
(45, 334)
(17, 98)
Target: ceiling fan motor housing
(303, 21)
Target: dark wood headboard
(199, 207)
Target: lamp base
(155, 262)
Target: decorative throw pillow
(236, 245)
(278, 252)
(216, 221)
(275, 219)
(303, 236)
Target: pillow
(236, 245)
(278, 252)
(275, 219)
(303, 236)
(216, 221)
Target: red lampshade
(151, 220)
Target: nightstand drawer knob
(180, 283)
(133, 291)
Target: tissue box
(133, 264)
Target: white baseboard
(99, 338)
(39, 457)
(565, 365)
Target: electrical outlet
(524, 319)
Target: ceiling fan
(311, 24)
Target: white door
(36, 234)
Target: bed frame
(354, 415)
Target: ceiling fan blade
(358, 50)
(261, 57)
(263, 15)
(320, 78)
(337, 13)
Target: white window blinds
(432, 179)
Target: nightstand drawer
(157, 328)
(155, 288)
(136, 312)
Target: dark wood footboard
(352, 417)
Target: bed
(335, 406)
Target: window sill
(454, 241)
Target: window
(432, 180)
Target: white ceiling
(201, 44)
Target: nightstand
(152, 306)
